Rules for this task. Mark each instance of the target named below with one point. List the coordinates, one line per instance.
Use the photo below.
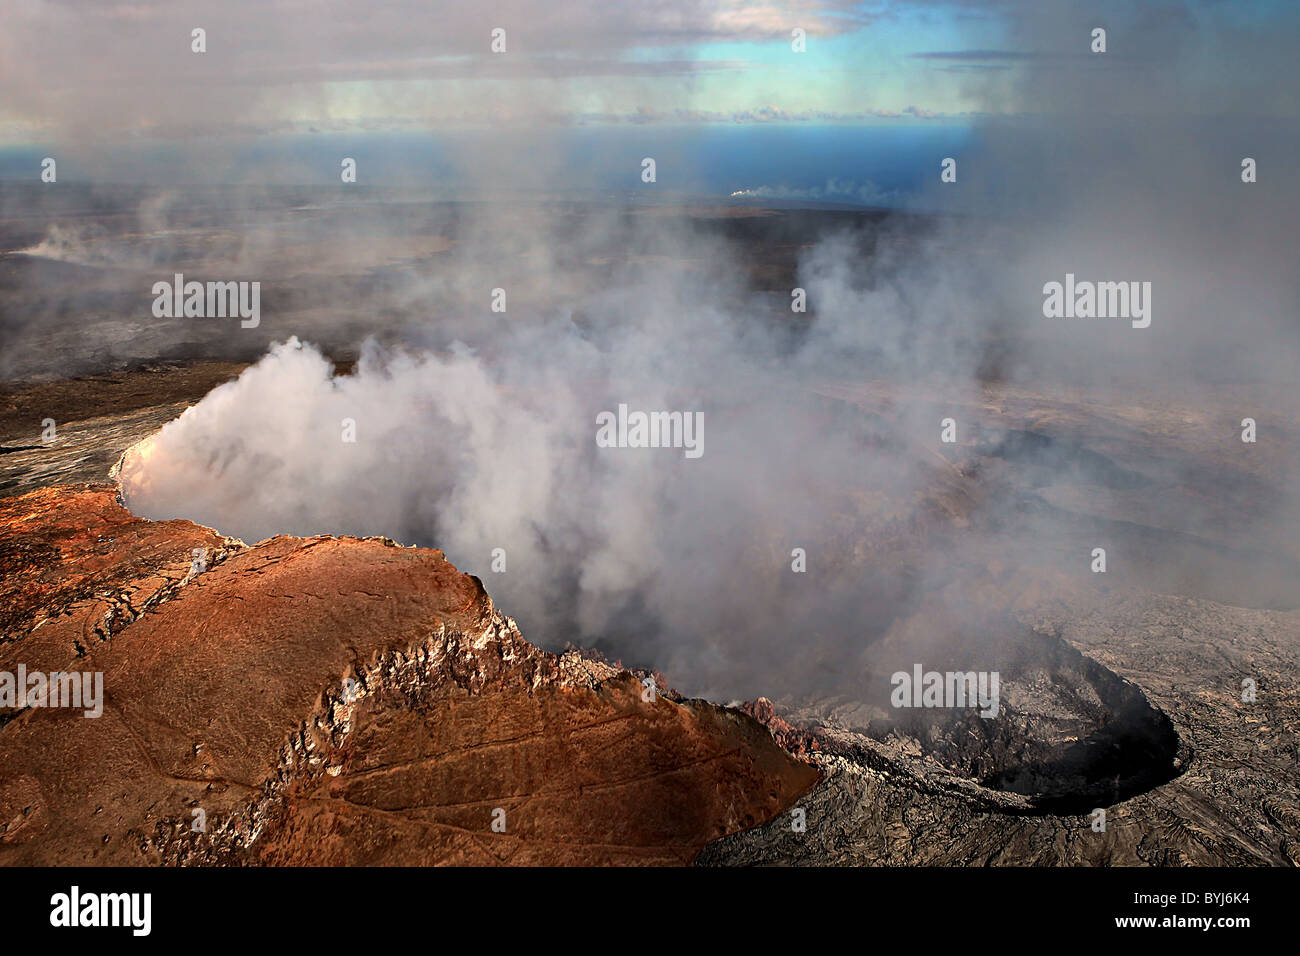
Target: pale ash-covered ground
(1200, 595)
(1235, 801)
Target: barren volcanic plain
(332, 699)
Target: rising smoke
(475, 430)
(667, 560)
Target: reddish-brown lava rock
(337, 701)
(75, 567)
(795, 740)
(574, 775)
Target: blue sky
(117, 68)
(114, 89)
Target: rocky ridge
(333, 701)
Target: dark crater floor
(1070, 735)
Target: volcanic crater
(1070, 735)
(225, 688)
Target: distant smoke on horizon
(477, 432)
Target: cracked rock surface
(230, 694)
(334, 701)
(911, 796)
